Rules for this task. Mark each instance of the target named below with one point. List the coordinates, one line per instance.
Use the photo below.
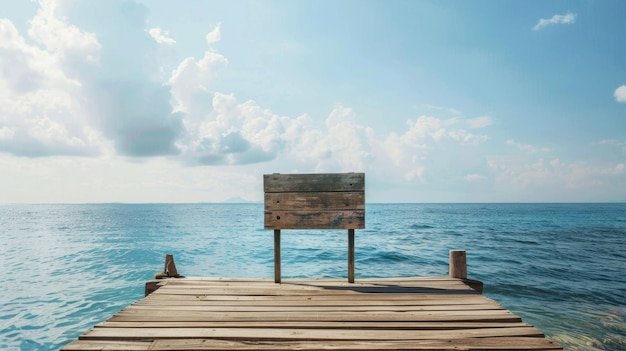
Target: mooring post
(276, 255)
(170, 266)
(169, 271)
(458, 264)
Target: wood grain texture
(314, 201)
(371, 314)
(458, 264)
(315, 219)
(286, 183)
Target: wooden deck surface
(371, 314)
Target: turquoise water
(67, 267)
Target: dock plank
(424, 300)
(374, 314)
(416, 316)
(313, 325)
(515, 343)
(100, 333)
(316, 308)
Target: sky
(193, 101)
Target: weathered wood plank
(504, 343)
(302, 334)
(194, 280)
(103, 345)
(315, 201)
(315, 219)
(313, 302)
(308, 281)
(319, 309)
(280, 183)
(314, 325)
(414, 291)
(286, 288)
(417, 316)
(315, 284)
(320, 289)
(339, 301)
(268, 291)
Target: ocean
(65, 268)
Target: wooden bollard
(169, 271)
(458, 264)
(458, 269)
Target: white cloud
(39, 112)
(220, 130)
(620, 94)
(235, 133)
(27, 68)
(567, 18)
(450, 110)
(618, 169)
(415, 174)
(429, 127)
(347, 144)
(540, 179)
(480, 122)
(527, 148)
(50, 28)
(232, 133)
(121, 89)
(214, 36)
(82, 92)
(190, 80)
(613, 143)
(430, 145)
(304, 140)
(161, 37)
(474, 177)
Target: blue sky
(193, 101)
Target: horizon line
(226, 202)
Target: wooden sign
(314, 201)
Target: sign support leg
(350, 255)
(276, 255)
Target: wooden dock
(436, 313)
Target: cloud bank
(96, 89)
